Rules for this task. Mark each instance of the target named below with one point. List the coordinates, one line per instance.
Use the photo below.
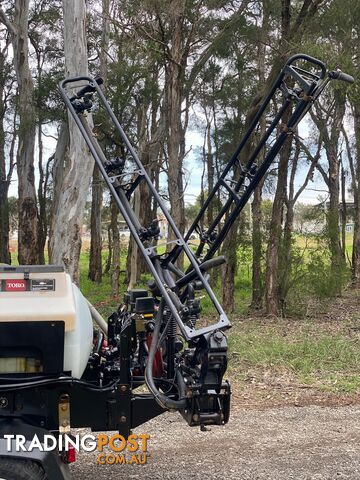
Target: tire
(17, 469)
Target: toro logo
(15, 285)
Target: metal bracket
(64, 414)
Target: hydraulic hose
(99, 342)
(54, 381)
(161, 399)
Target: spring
(170, 344)
(191, 321)
(172, 325)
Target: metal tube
(97, 317)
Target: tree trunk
(5, 256)
(333, 211)
(257, 280)
(210, 172)
(286, 256)
(141, 199)
(356, 240)
(61, 161)
(95, 261)
(343, 210)
(109, 257)
(257, 284)
(230, 248)
(330, 126)
(272, 293)
(133, 264)
(68, 217)
(272, 290)
(115, 250)
(174, 84)
(42, 229)
(28, 213)
(331, 142)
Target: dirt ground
(299, 443)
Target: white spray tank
(46, 293)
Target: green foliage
(312, 274)
(99, 294)
(307, 351)
(323, 281)
(13, 213)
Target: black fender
(54, 468)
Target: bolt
(123, 419)
(123, 388)
(218, 336)
(3, 402)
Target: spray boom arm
(152, 329)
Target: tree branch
(4, 19)
(309, 9)
(309, 175)
(351, 161)
(210, 49)
(312, 158)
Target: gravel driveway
(273, 444)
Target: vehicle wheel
(17, 469)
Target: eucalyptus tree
(186, 35)
(95, 258)
(293, 20)
(6, 168)
(16, 19)
(77, 163)
(44, 34)
(349, 26)
(338, 27)
(329, 119)
(237, 89)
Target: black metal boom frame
(309, 86)
(142, 235)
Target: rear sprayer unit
(55, 372)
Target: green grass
(242, 293)
(99, 294)
(331, 362)
(310, 241)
